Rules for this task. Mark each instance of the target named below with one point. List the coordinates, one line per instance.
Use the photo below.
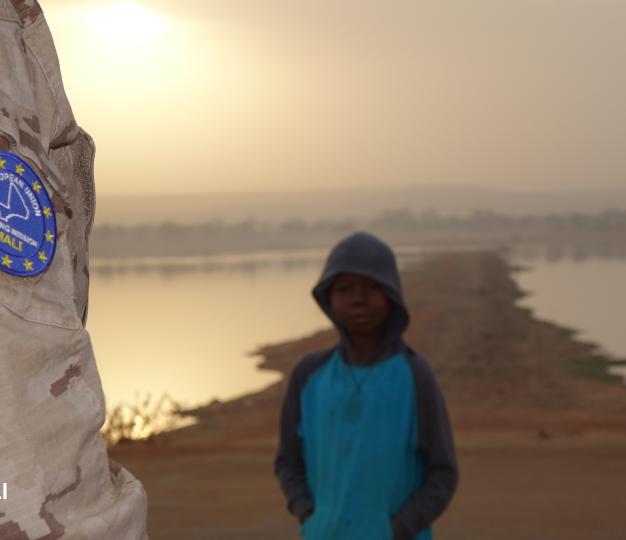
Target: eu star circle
(27, 221)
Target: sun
(124, 44)
(125, 27)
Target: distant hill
(335, 204)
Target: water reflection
(584, 293)
(238, 262)
(186, 327)
(241, 262)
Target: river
(188, 329)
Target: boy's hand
(400, 532)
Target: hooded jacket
(365, 452)
(59, 481)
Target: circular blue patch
(28, 229)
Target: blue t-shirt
(360, 448)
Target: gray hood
(364, 254)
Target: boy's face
(358, 303)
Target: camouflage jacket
(56, 481)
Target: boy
(366, 450)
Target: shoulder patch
(27, 219)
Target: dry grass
(141, 421)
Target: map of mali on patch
(27, 219)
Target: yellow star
(37, 186)
(49, 236)
(2, 163)
(42, 256)
(6, 261)
(19, 169)
(47, 212)
(28, 265)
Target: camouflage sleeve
(56, 481)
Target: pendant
(353, 408)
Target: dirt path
(513, 486)
(542, 451)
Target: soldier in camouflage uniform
(59, 481)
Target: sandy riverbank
(542, 450)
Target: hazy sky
(199, 95)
